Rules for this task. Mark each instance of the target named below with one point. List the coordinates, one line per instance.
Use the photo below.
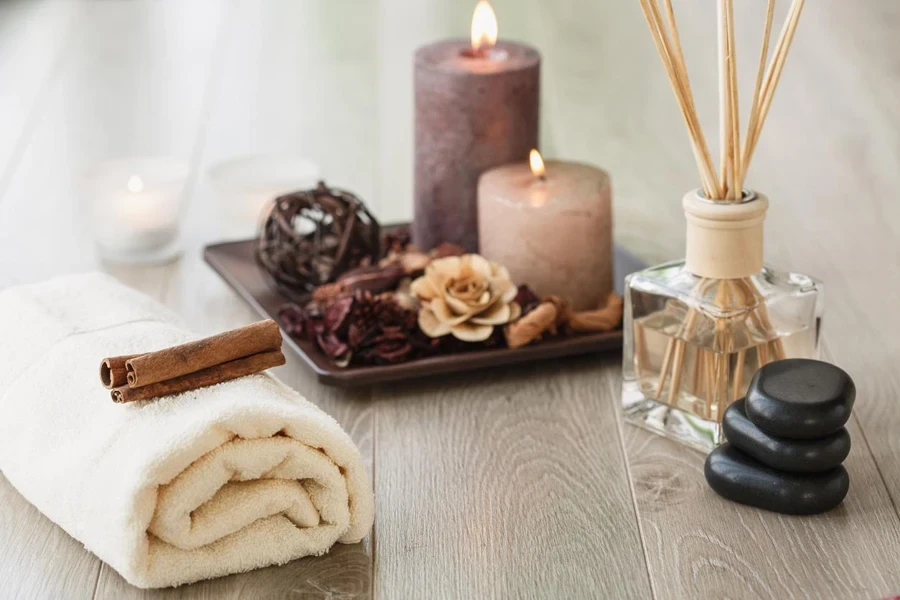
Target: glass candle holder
(247, 185)
(696, 330)
(134, 206)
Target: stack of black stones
(786, 439)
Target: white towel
(220, 480)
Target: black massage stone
(800, 399)
(798, 456)
(740, 478)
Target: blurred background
(331, 80)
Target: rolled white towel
(220, 480)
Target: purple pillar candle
(475, 109)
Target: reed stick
(698, 141)
(734, 155)
(757, 89)
(773, 75)
(711, 368)
(739, 374)
(724, 99)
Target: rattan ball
(312, 236)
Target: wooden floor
(514, 482)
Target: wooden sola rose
(466, 297)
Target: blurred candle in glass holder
(551, 226)
(246, 186)
(134, 206)
(476, 104)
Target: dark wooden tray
(234, 261)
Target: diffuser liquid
(692, 345)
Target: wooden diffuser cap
(724, 239)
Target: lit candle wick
(536, 162)
(484, 29)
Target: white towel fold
(220, 480)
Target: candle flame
(484, 27)
(537, 164)
(135, 185)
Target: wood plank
(509, 483)
(842, 207)
(37, 558)
(703, 546)
(697, 544)
(342, 573)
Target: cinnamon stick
(219, 373)
(112, 371)
(178, 361)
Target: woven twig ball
(312, 236)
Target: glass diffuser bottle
(697, 330)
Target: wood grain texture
(505, 484)
(514, 482)
(342, 574)
(703, 546)
(37, 558)
(697, 544)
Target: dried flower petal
(333, 346)
(431, 325)
(372, 279)
(471, 332)
(337, 313)
(328, 293)
(292, 319)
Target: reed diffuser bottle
(696, 330)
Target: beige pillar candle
(553, 232)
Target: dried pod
(373, 279)
(414, 262)
(603, 319)
(324, 295)
(563, 310)
(532, 326)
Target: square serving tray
(235, 263)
